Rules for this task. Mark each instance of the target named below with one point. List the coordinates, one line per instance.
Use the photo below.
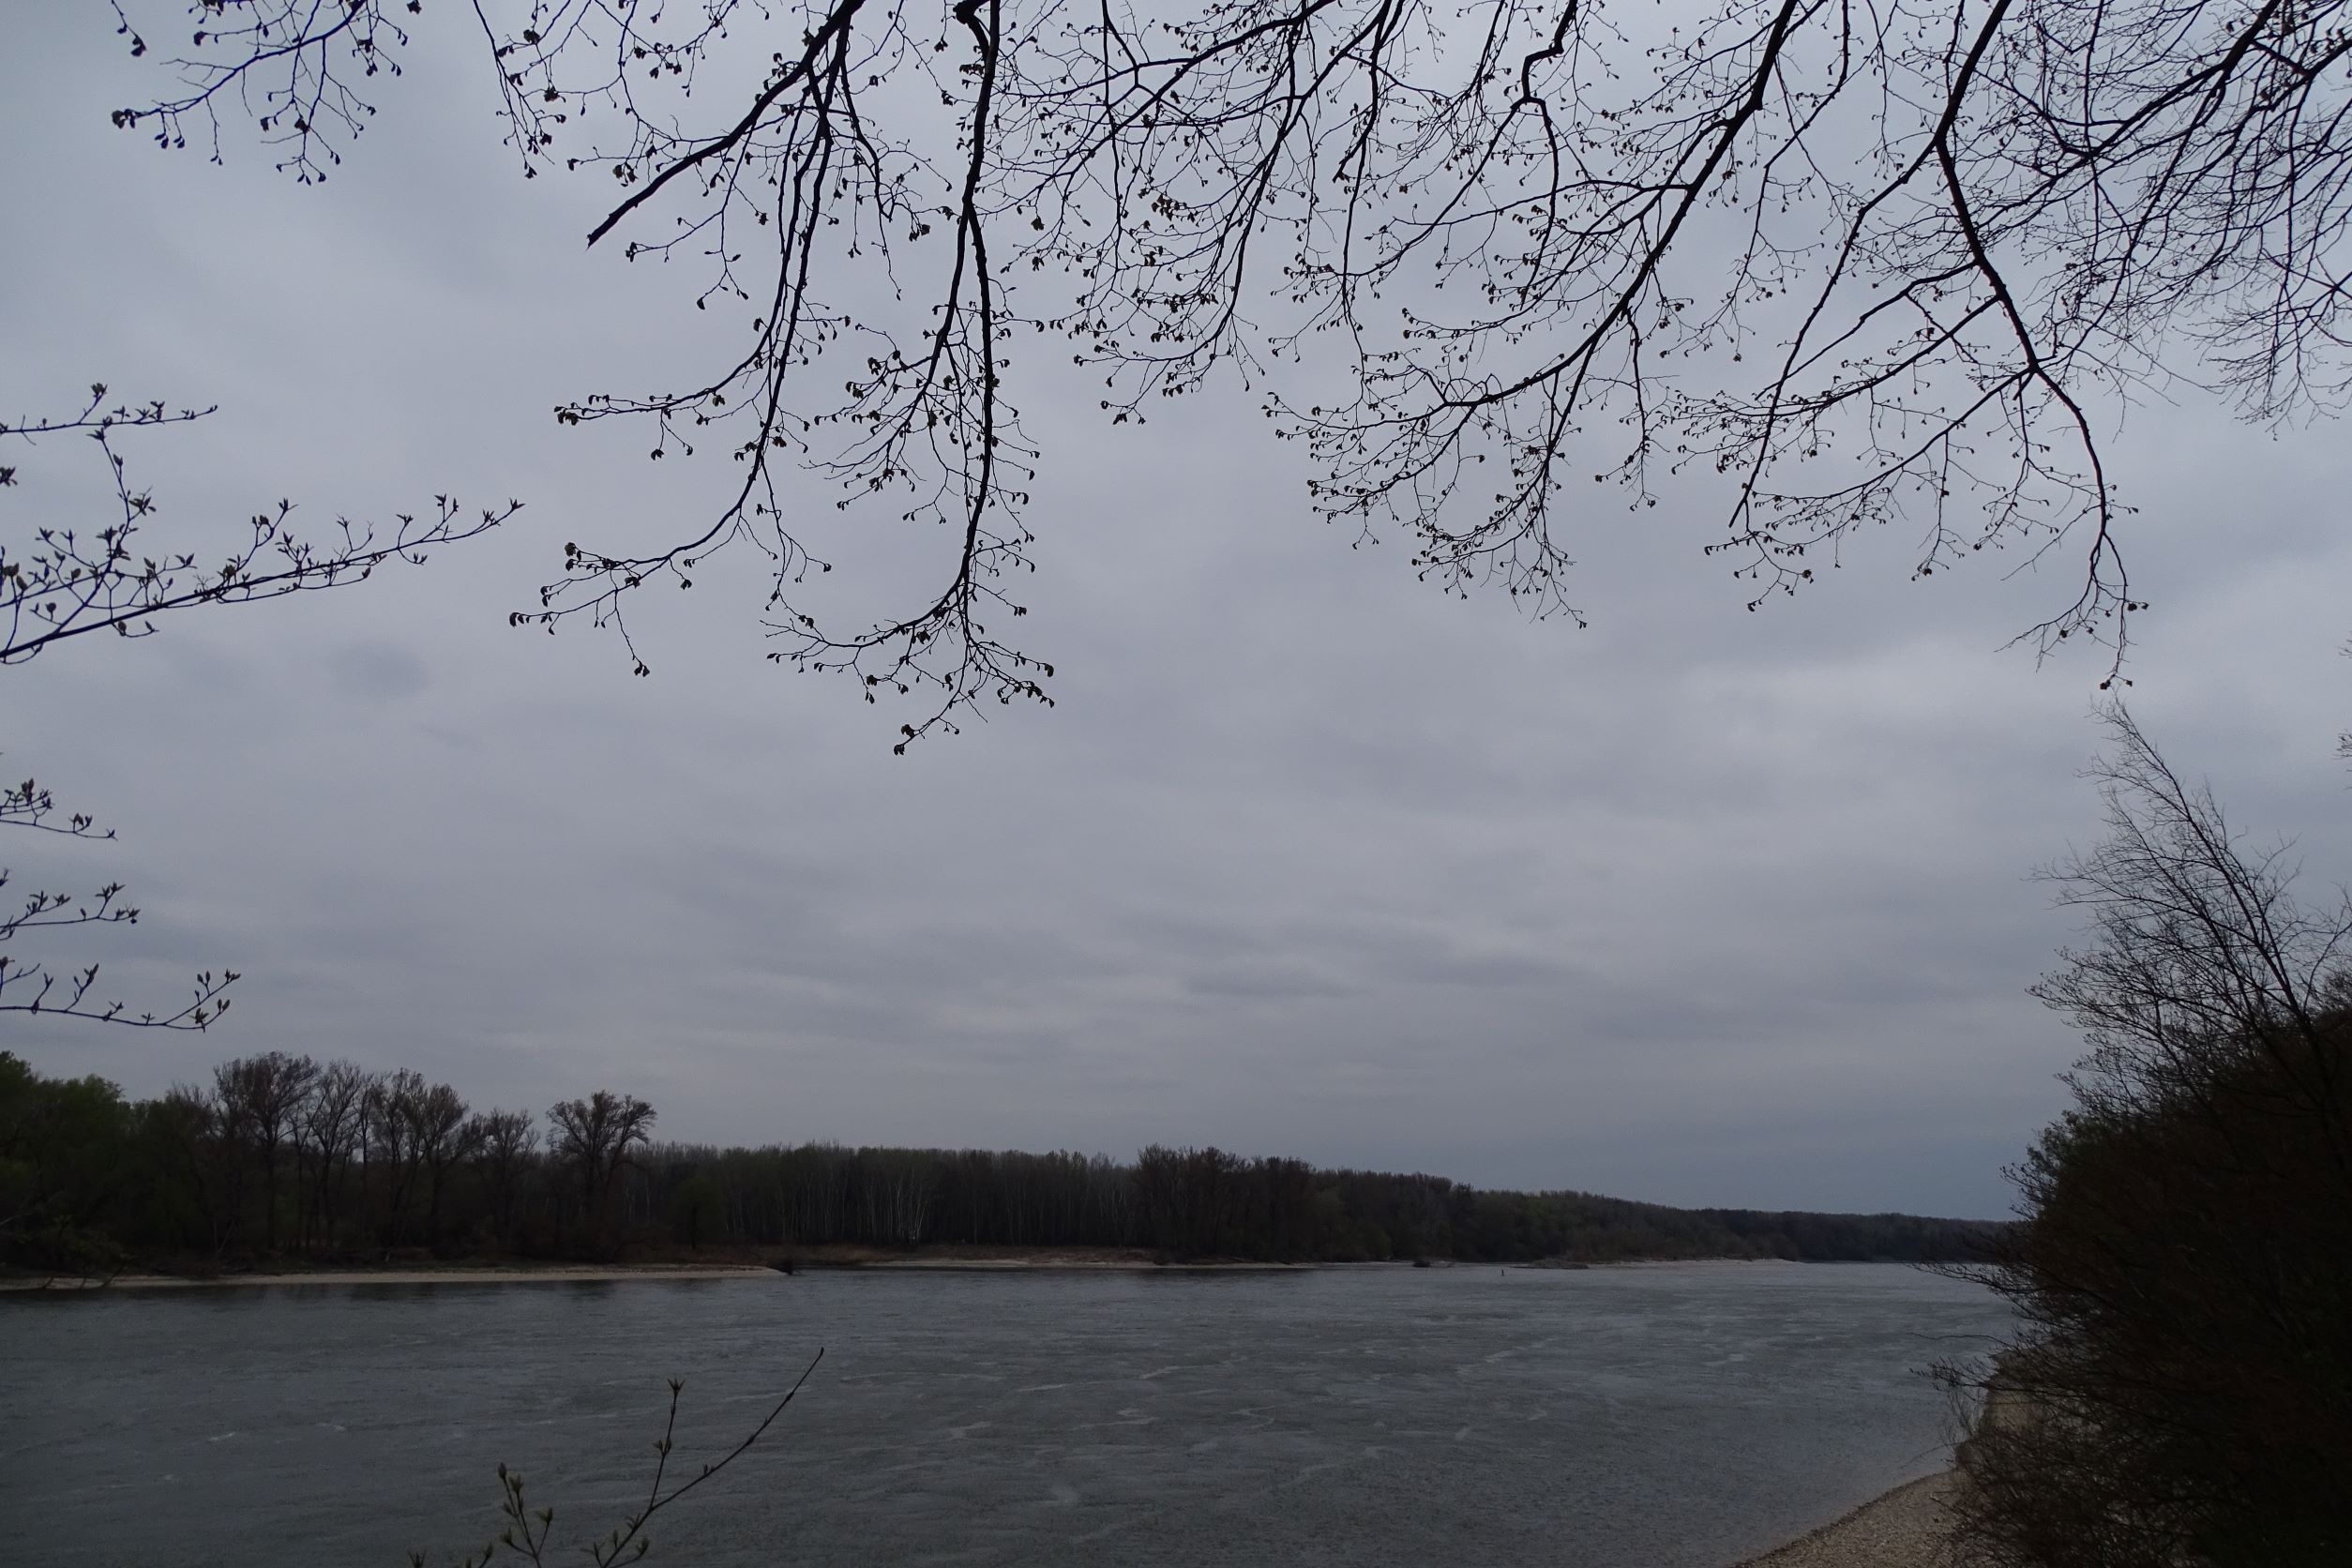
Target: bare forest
(282, 1159)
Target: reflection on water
(1670, 1416)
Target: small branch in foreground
(529, 1531)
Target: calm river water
(1679, 1415)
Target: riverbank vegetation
(281, 1158)
(2179, 1393)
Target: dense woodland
(281, 1157)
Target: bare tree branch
(1823, 267)
(529, 1531)
(61, 581)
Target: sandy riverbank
(946, 1260)
(1090, 1265)
(1906, 1528)
(943, 1259)
(456, 1275)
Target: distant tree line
(279, 1156)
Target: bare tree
(392, 1104)
(1827, 266)
(594, 1136)
(2202, 948)
(502, 1142)
(2180, 1388)
(334, 1126)
(265, 1096)
(443, 1140)
(901, 1196)
(190, 1127)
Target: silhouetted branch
(60, 581)
(33, 987)
(529, 1532)
(1830, 267)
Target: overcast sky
(1694, 905)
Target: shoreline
(461, 1274)
(590, 1273)
(844, 1258)
(1906, 1527)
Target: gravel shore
(1905, 1528)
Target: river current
(1679, 1416)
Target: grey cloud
(1272, 981)
(376, 672)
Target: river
(1678, 1416)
